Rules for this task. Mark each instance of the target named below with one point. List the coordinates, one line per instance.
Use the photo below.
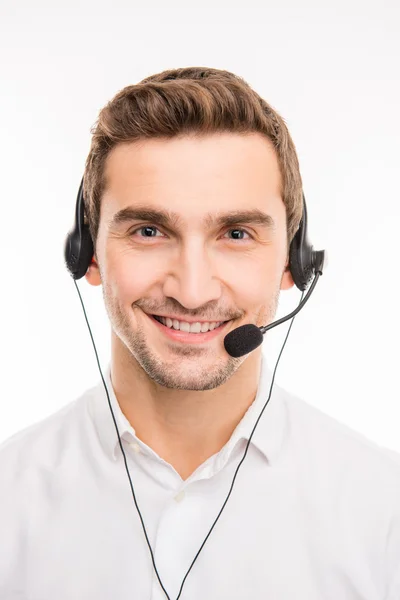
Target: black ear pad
(78, 248)
(87, 251)
(79, 252)
(301, 255)
(300, 264)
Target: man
(193, 194)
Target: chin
(187, 372)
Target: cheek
(128, 278)
(254, 285)
(257, 275)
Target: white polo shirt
(314, 513)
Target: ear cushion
(294, 264)
(85, 253)
(78, 252)
(301, 262)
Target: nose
(192, 278)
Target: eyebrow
(170, 219)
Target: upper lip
(189, 319)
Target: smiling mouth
(172, 328)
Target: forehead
(195, 174)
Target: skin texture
(184, 400)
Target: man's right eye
(149, 229)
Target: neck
(184, 427)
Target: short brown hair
(186, 101)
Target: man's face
(192, 267)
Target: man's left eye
(240, 232)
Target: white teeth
(188, 327)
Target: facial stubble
(187, 367)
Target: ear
(93, 273)
(287, 279)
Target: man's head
(173, 162)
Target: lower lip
(190, 338)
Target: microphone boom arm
(297, 309)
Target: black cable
(126, 466)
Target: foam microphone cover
(242, 340)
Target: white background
(332, 71)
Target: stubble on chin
(184, 370)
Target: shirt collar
(268, 436)
(271, 428)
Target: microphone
(246, 338)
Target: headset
(305, 264)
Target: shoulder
(349, 477)
(40, 446)
(38, 466)
(335, 448)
